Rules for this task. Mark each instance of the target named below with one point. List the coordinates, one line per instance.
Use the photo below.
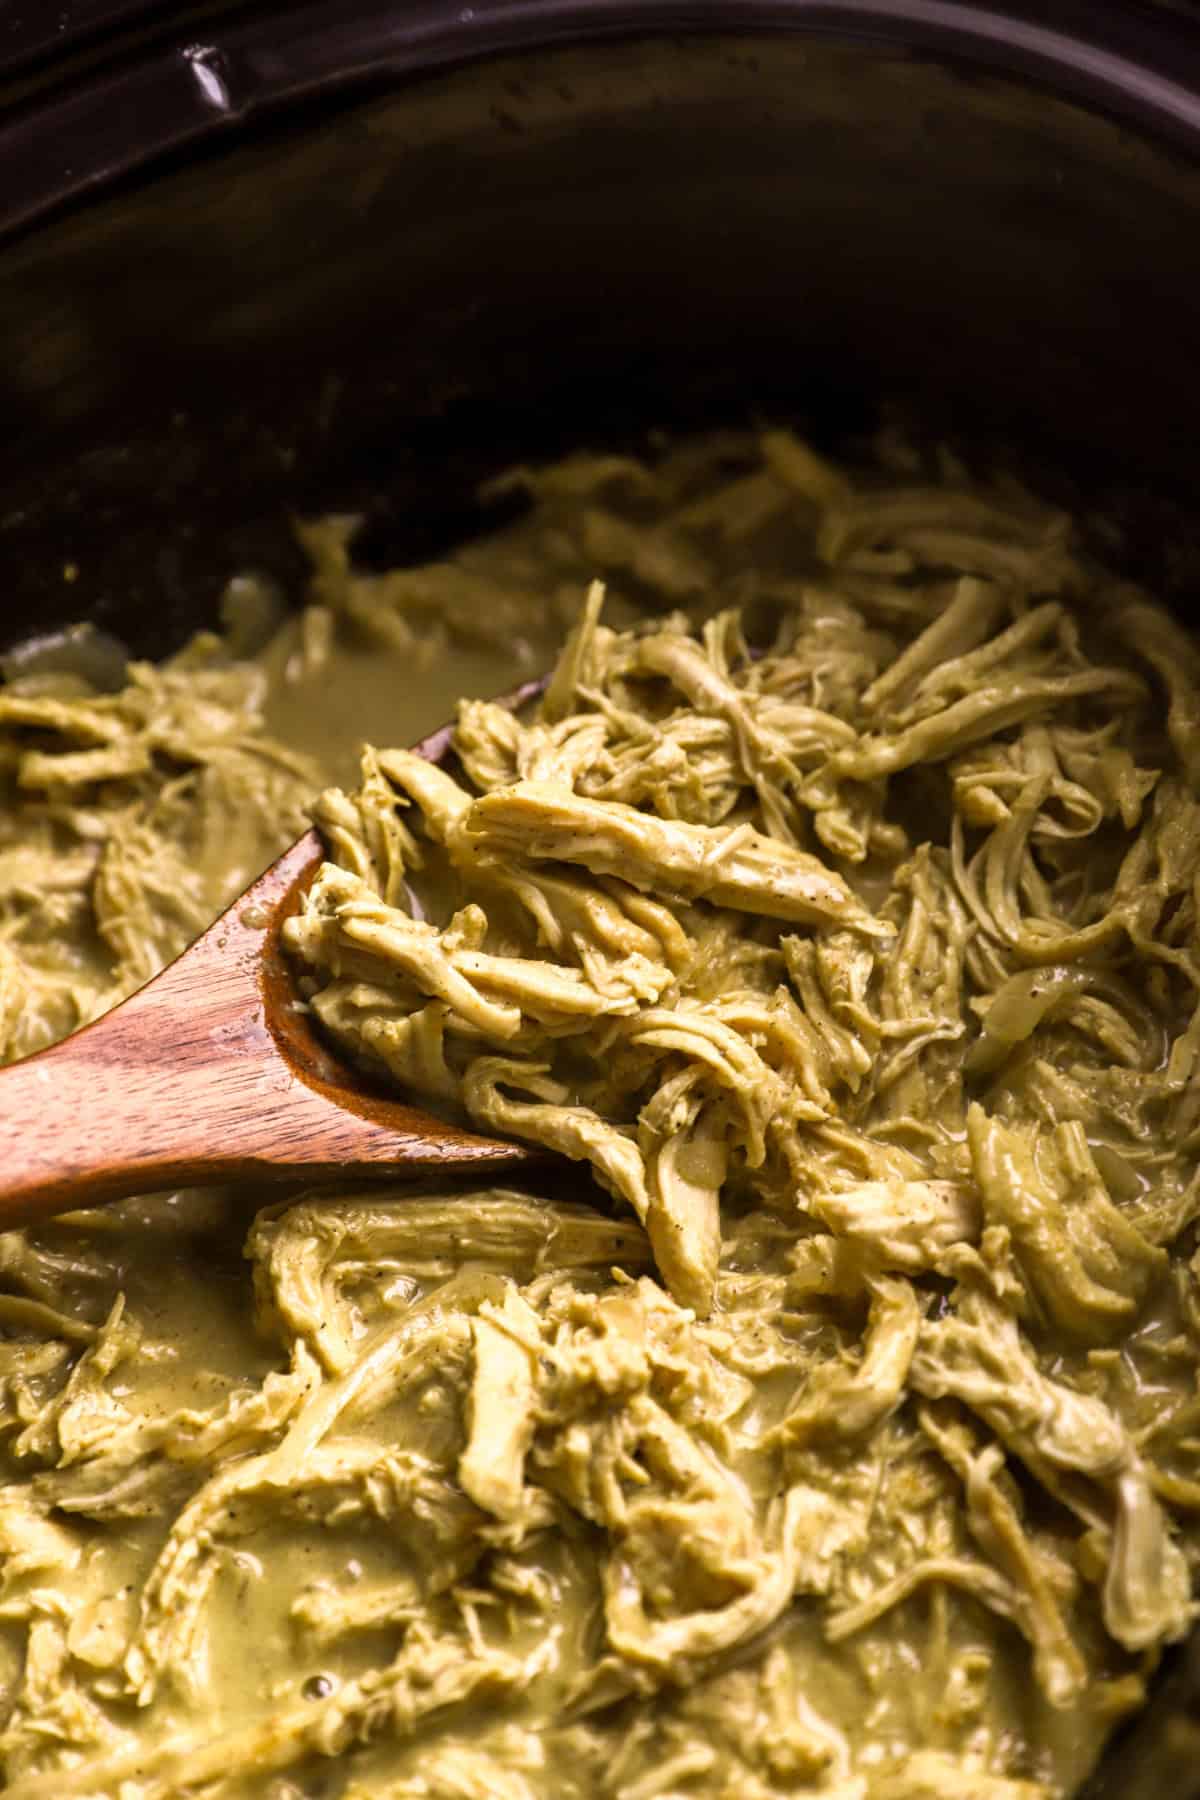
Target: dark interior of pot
(380, 303)
(556, 248)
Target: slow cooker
(367, 252)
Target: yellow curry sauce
(836, 1435)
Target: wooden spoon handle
(94, 1120)
(186, 1082)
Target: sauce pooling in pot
(841, 1440)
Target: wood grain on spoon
(213, 1072)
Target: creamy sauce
(363, 697)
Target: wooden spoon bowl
(213, 1073)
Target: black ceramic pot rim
(224, 75)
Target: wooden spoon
(212, 1072)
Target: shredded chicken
(833, 1429)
